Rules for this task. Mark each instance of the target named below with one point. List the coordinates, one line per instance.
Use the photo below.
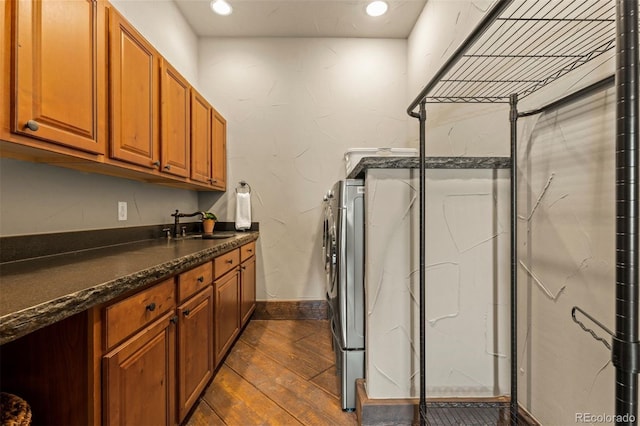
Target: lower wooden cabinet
(227, 312)
(138, 378)
(195, 349)
(247, 289)
(143, 359)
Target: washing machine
(343, 253)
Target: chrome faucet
(176, 224)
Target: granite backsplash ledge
(20, 247)
(40, 291)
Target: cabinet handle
(32, 125)
(186, 312)
(200, 279)
(156, 163)
(230, 261)
(214, 181)
(243, 267)
(167, 167)
(249, 250)
(174, 320)
(151, 307)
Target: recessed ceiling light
(221, 7)
(377, 8)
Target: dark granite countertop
(38, 292)
(431, 163)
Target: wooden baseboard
(404, 411)
(527, 418)
(384, 411)
(291, 310)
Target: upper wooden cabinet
(175, 98)
(200, 138)
(59, 73)
(219, 152)
(81, 88)
(208, 144)
(134, 70)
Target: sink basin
(188, 237)
(219, 235)
(215, 236)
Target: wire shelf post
(513, 120)
(626, 349)
(423, 315)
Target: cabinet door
(133, 95)
(227, 312)
(139, 376)
(175, 138)
(219, 152)
(247, 288)
(195, 349)
(200, 138)
(59, 73)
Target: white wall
(467, 293)
(453, 130)
(37, 198)
(161, 22)
(293, 107)
(566, 237)
(567, 258)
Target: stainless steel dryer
(343, 242)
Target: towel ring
(244, 187)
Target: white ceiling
(301, 18)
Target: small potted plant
(208, 221)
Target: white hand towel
(243, 210)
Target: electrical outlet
(122, 210)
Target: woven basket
(14, 411)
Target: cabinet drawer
(192, 281)
(247, 250)
(129, 315)
(226, 262)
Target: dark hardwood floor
(279, 372)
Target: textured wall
(467, 272)
(567, 258)
(37, 198)
(293, 107)
(566, 209)
(454, 130)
